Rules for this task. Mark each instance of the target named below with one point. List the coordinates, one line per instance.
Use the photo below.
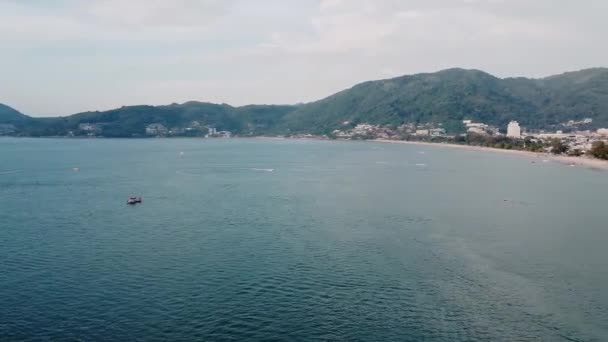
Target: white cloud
(111, 20)
(70, 55)
(142, 15)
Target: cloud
(67, 55)
(145, 13)
(111, 20)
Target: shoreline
(587, 162)
(592, 163)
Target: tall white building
(513, 130)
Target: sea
(297, 240)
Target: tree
(558, 147)
(599, 150)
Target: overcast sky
(65, 56)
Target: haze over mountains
(446, 97)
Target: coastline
(587, 162)
(592, 163)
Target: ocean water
(290, 240)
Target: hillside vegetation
(10, 115)
(452, 95)
(446, 97)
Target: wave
(10, 172)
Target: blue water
(271, 240)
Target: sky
(59, 57)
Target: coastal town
(194, 129)
(570, 139)
(573, 137)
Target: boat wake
(10, 172)
(265, 170)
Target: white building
(602, 131)
(436, 132)
(364, 129)
(89, 127)
(156, 129)
(558, 135)
(477, 125)
(513, 130)
(477, 130)
(7, 128)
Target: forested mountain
(450, 96)
(446, 97)
(131, 121)
(10, 115)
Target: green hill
(452, 95)
(446, 97)
(131, 121)
(10, 115)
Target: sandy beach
(587, 162)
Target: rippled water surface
(265, 240)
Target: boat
(134, 200)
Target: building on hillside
(156, 129)
(480, 128)
(341, 134)
(89, 127)
(407, 128)
(556, 135)
(513, 130)
(365, 129)
(7, 129)
(477, 130)
(437, 132)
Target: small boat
(134, 200)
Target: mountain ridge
(454, 94)
(446, 96)
(11, 115)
